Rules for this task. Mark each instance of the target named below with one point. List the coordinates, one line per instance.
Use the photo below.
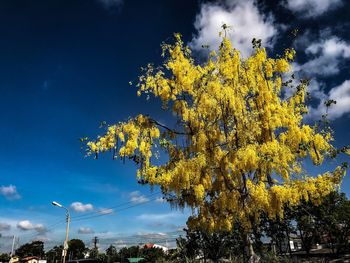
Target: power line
(138, 241)
(112, 207)
(51, 227)
(99, 214)
(94, 214)
(119, 210)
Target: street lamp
(65, 244)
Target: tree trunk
(252, 257)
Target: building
(150, 245)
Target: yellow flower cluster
(133, 138)
(238, 145)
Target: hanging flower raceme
(239, 144)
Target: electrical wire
(115, 211)
(112, 207)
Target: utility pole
(95, 241)
(95, 249)
(65, 244)
(13, 245)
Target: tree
(332, 220)
(307, 228)
(129, 252)
(111, 253)
(55, 254)
(35, 248)
(215, 246)
(93, 253)
(279, 230)
(237, 145)
(76, 249)
(102, 257)
(4, 257)
(342, 228)
(153, 254)
(188, 248)
(209, 246)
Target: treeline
(325, 226)
(110, 255)
(307, 226)
(78, 250)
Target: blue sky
(65, 67)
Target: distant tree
(129, 252)
(210, 246)
(237, 146)
(305, 218)
(35, 248)
(93, 253)
(4, 257)
(112, 254)
(342, 229)
(76, 249)
(214, 246)
(102, 257)
(279, 230)
(153, 254)
(333, 221)
(55, 254)
(188, 247)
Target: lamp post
(65, 244)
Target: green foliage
(209, 246)
(76, 249)
(279, 230)
(149, 254)
(333, 221)
(153, 254)
(325, 223)
(102, 257)
(36, 248)
(4, 257)
(112, 254)
(93, 253)
(54, 254)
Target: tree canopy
(238, 142)
(35, 248)
(76, 248)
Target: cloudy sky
(65, 67)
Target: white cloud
(137, 198)
(4, 226)
(244, 17)
(159, 217)
(105, 211)
(149, 235)
(341, 94)
(26, 225)
(80, 207)
(160, 200)
(312, 8)
(10, 192)
(85, 230)
(120, 244)
(110, 3)
(326, 56)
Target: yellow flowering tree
(237, 146)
